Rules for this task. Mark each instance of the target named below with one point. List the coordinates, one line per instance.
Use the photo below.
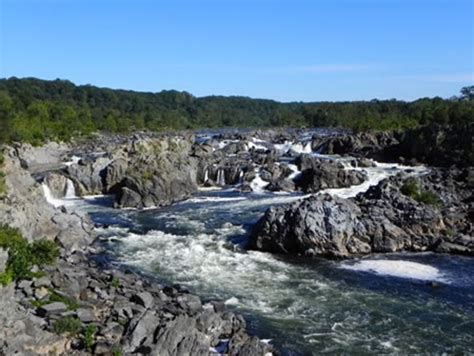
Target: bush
(89, 333)
(44, 252)
(411, 189)
(22, 256)
(115, 282)
(430, 198)
(67, 325)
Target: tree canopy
(35, 110)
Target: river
(393, 303)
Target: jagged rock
(51, 309)
(180, 337)
(317, 175)
(89, 175)
(321, 225)
(144, 299)
(141, 331)
(86, 315)
(284, 185)
(380, 220)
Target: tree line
(34, 110)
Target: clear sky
(289, 50)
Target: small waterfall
(206, 175)
(70, 190)
(241, 177)
(220, 177)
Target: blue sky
(288, 50)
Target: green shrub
(6, 277)
(89, 333)
(67, 325)
(412, 189)
(22, 256)
(44, 252)
(147, 175)
(115, 282)
(430, 198)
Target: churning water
(378, 304)
(396, 303)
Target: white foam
(256, 147)
(301, 148)
(74, 160)
(258, 184)
(374, 176)
(295, 170)
(283, 147)
(224, 143)
(55, 201)
(212, 199)
(398, 268)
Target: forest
(34, 110)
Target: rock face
(434, 145)
(319, 225)
(89, 175)
(160, 171)
(26, 208)
(380, 220)
(317, 175)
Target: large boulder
(320, 225)
(322, 174)
(380, 220)
(159, 172)
(89, 175)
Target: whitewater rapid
(380, 304)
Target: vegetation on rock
(67, 325)
(22, 256)
(412, 189)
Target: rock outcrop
(380, 220)
(318, 174)
(82, 306)
(440, 146)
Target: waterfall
(206, 175)
(241, 177)
(70, 190)
(220, 177)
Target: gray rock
(42, 282)
(51, 309)
(140, 332)
(3, 259)
(86, 315)
(144, 299)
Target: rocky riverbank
(82, 306)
